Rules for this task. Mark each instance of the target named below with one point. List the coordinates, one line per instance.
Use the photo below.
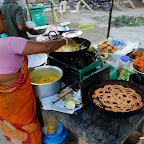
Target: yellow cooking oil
(43, 76)
(71, 48)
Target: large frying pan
(119, 82)
(81, 41)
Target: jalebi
(139, 63)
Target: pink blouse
(11, 59)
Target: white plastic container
(123, 61)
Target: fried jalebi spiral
(117, 98)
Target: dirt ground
(100, 21)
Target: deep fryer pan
(119, 82)
(81, 41)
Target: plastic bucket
(63, 142)
(38, 15)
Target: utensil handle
(62, 97)
(51, 32)
(85, 28)
(81, 43)
(66, 85)
(100, 103)
(58, 99)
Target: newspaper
(47, 103)
(123, 47)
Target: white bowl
(36, 60)
(137, 71)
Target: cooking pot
(73, 54)
(137, 77)
(47, 89)
(119, 82)
(63, 27)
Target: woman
(17, 101)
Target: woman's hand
(71, 41)
(33, 32)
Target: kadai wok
(127, 98)
(80, 45)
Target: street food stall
(96, 92)
(92, 102)
(99, 95)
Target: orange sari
(18, 111)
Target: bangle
(65, 40)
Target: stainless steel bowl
(47, 89)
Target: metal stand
(109, 23)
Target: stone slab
(102, 131)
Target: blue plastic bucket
(63, 142)
(38, 15)
(61, 139)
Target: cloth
(10, 54)
(18, 109)
(13, 14)
(22, 3)
(1, 2)
(25, 14)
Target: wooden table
(102, 131)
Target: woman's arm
(33, 47)
(24, 28)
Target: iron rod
(109, 23)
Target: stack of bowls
(59, 137)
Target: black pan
(73, 54)
(137, 78)
(120, 82)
